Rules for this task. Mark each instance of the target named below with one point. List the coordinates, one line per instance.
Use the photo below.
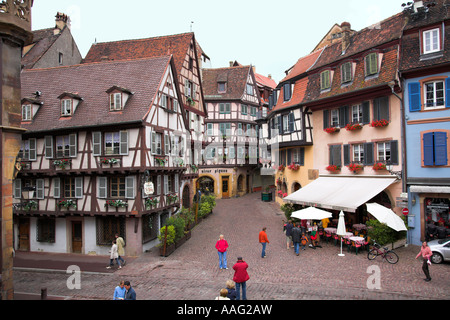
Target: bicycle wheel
(372, 254)
(391, 257)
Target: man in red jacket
(222, 246)
(264, 241)
(240, 277)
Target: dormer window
(66, 107)
(118, 98)
(431, 41)
(325, 80)
(346, 72)
(26, 112)
(371, 64)
(69, 103)
(116, 101)
(222, 87)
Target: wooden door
(24, 234)
(225, 187)
(77, 236)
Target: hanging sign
(149, 188)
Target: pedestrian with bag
(120, 248)
(222, 246)
(240, 278)
(264, 241)
(426, 254)
(113, 256)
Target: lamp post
(15, 32)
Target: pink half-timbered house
(96, 133)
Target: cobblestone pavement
(192, 271)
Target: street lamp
(28, 193)
(390, 168)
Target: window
(335, 155)
(325, 82)
(286, 123)
(249, 89)
(209, 130)
(381, 108)
(60, 58)
(66, 146)
(188, 88)
(435, 148)
(335, 118)
(117, 187)
(287, 92)
(112, 143)
(224, 108)
(384, 151)
(357, 114)
(222, 87)
(66, 107)
(107, 227)
(253, 111)
(45, 230)
(225, 129)
(434, 95)
(157, 143)
(26, 112)
(244, 109)
(358, 153)
(371, 63)
(115, 101)
(346, 72)
(72, 188)
(431, 41)
(28, 150)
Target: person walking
(222, 246)
(120, 249)
(130, 294)
(304, 241)
(264, 241)
(296, 238)
(119, 292)
(114, 256)
(426, 254)
(288, 230)
(240, 278)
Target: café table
(360, 240)
(330, 230)
(359, 226)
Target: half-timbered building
(189, 58)
(96, 134)
(230, 152)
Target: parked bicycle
(387, 254)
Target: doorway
(24, 234)
(77, 236)
(225, 187)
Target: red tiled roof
(303, 64)
(235, 77)
(176, 45)
(90, 82)
(265, 81)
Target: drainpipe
(403, 133)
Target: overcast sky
(271, 35)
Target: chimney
(231, 64)
(270, 77)
(346, 27)
(62, 20)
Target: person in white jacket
(114, 256)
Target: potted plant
(167, 240)
(172, 198)
(353, 127)
(379, 123)
(281, 167)
(109, 161)
(379, 166)
(31, 205)
(267, 195)
(151, 203)
(294, 167)
(355, 167)
(160, 161)
(332, 130)
(62, 163)
(67, 203)
(333, 168)
(116, 204)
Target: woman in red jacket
(222, 246)
(240, 278)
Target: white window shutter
(158, 184)
(166, 184)
(166, 145)
(32, 156)
(40, 189)
(97, 143)
(124, 143)
(79, 187)
(48, 147)
(56, 188)
(177, 183)
(102, 187)
(129, 187)
(73, 145)
(17, 189)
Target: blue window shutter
(447, 92)
(428, 149)
(440, 149)
(414, 97)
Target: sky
(270, 35)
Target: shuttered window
(435, 149)
(371, 63)
(325, 82)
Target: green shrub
(204, 209)
(210, 199)
(170, 235)
(287, 208)
(179, 224)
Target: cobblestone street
(192, 271)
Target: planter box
(397, 244)
(266, 196)
(169, 250)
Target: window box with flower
(172, 198)
(62, 163)
(151, 203)
(379, 123)
(110, 161)
(67, 204)
(353, 127)
(355, 167)
(279, 181)
(379, 166)
(333, 168)
(31, 205)
(160, 161)
(294, 167)
(116, 204)
(332, 130)
(281, 167)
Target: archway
(205, 185)
(296, 186)
(240, 183)
(186, 197)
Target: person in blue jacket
(119, 292)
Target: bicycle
(387, 254)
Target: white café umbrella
(387, 216)
(341, 231)
(311, 213)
